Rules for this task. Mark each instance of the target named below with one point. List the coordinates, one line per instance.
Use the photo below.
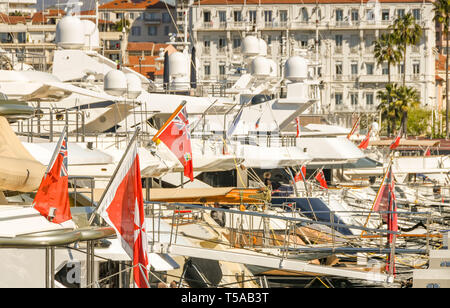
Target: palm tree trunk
(404, 64)
(392, 119)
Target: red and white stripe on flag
(122, 207)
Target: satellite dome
(260, 67)
(115, 83)
(69, 33)
(296, 68)
(262, 47)
(134, 85)
(250, 46)
(91, 35)
(178, 64)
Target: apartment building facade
(23, 7)
(337, 35)
(147, 21)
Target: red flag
(297, 123)
(320, 177)
(396, 141)
(52, 197)
(176, 136)
(428, 152)
(301, 175)
(365, 143)
(122, 207)
(385, 201)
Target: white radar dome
(296, 68)
(260, 67)
(115, 83)
(134, 85)
(250, 46)
(178, 64)
(262, 47)
(91, 35)
(69, 33)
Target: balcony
(374, 79)
(237, 25)
(207, 25)
(152, 21)
(221, 50)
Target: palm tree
(406, 98)
(389, 112)
(406, 32)
(385, 50)
(442, 16)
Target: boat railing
(287, 231)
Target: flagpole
(376, 196)
(155, 137)
(91, 219)
(56, 151)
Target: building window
(135, 31)
(152, 30)
(304, 14)
(206, 16)
(222, 70)
(385, 15)
(131, 15)
(166, 30)
(369, 99)
(369, 68)
(236, 42)
(385, 69)
(416, 68)
(416, 14)
(283, 16)
(339, 15)
(304, 41)
(370, 15)
(151, 16)
(166, 18)
(354, 41)
(401, 68)
(400, 13)
(222, 16)
(354, 99)
(237, 16)
(338, 39)
(355, 15)
(338, 69)
(207, 70)
(267, 16)
(252, 16)
(119, 15)
(354, 68)
(222, 42)
(338, 98)
(206, 45)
